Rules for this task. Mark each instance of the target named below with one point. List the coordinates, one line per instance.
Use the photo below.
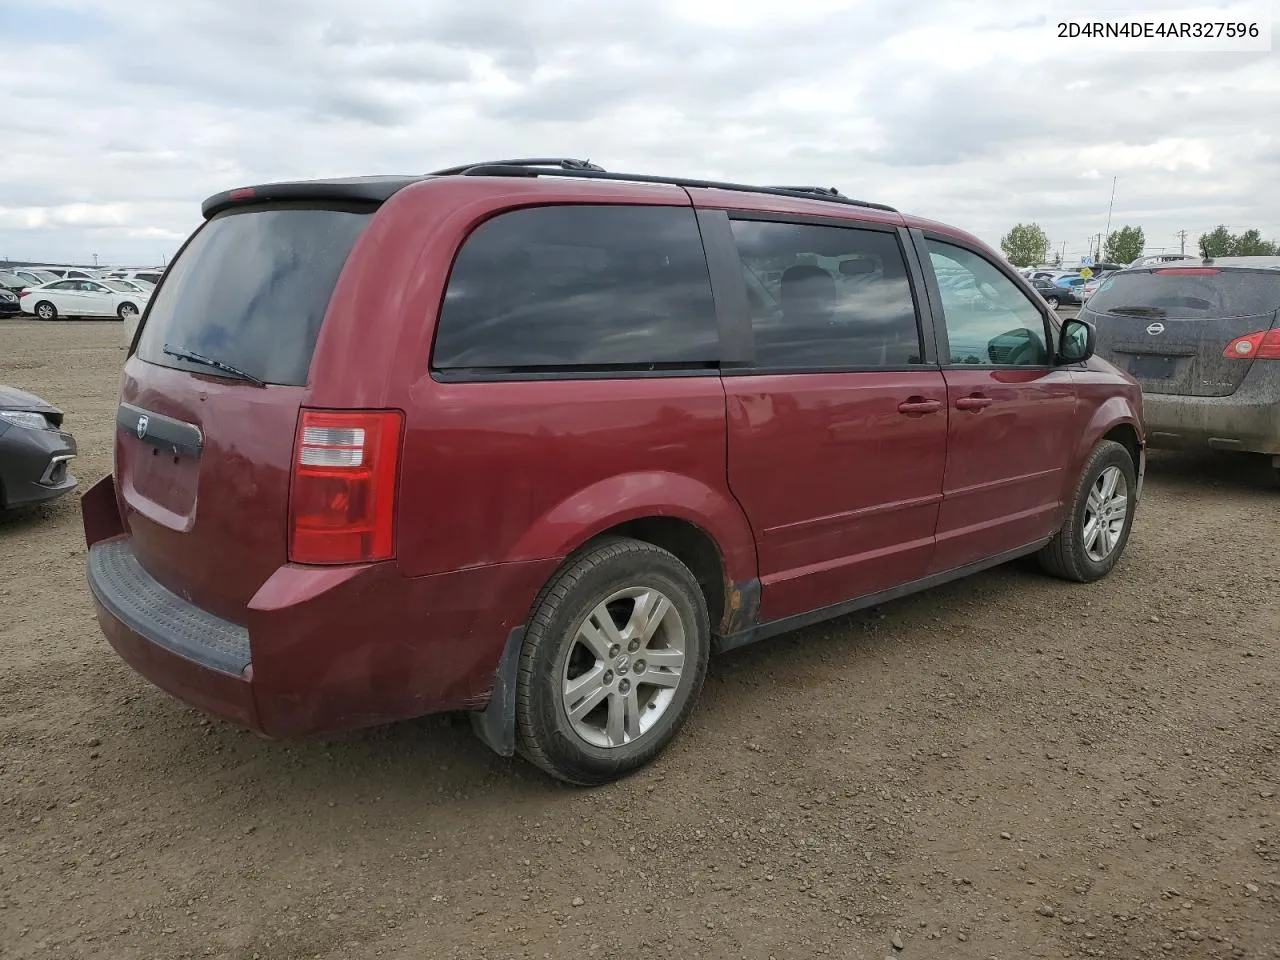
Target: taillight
(24, 293)
(1263, 345)
(342, 504)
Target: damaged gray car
(1203, 340)
(34, 451)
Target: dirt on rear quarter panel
(1009, 766)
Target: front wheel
(1053, 303)
(612, 663)
(1098, 519)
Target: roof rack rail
(820, 191)
(536, 169)
(563, 163)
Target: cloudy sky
(120, 116)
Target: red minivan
(530, 440)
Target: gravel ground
(1005, 767)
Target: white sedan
(85, 298)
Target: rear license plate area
(1153, 367)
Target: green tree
(1025, 245)
(1218, 242)
(1124, 245)
(1251, 244)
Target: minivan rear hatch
(210, 399)
(1168, 327)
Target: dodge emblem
(1155, 329)
(142, 425)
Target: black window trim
(729, 331)
(943, 343)
(928, 355)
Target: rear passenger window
(570, 287)
(827, 297)
(990, 321)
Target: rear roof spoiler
(349, 190)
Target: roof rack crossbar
(801, 193)
(563, 163)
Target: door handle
(916, 406)
(974, 403)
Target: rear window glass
(607, 287)
(251, 290)
(1188, 296)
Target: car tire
(588, 709)
(1099, 518)
(1053, 303)
(126, 310)
(44, 310)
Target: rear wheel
(1098, 520)
(126, 311)
(46, 310)
(1053, 302)
(612, 663)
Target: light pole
(1109, 206)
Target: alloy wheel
(1105, 513)
(623, 669)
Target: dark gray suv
(1203, 341)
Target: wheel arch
(703, 527)
(1114, 420)
(1126, 434)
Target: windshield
(251, 290)
(1184, 293)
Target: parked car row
(1068, 286)
(55, 292)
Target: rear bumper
(157, 644)
(322, 648)
(1247, 420)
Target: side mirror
(1077, 341)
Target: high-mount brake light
(1187, 271)
(342, 502)
(243, 193)
(1262, 345)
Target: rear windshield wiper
(210, 362)
(1138, 311)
